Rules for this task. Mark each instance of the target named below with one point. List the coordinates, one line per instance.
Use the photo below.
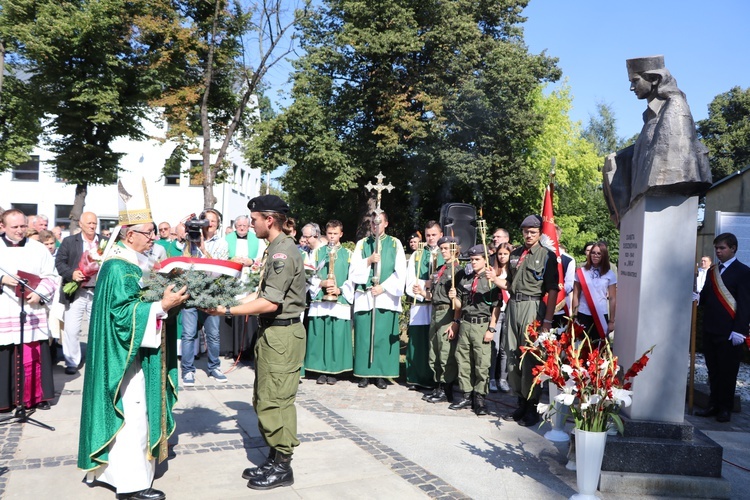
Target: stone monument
(652, 192)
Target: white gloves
(736, 338)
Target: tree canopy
(436, 95)
(726, 132)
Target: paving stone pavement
(355, 443)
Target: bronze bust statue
(667, 159)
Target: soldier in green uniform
(280, 348)
(329, 332)
(532, 274)
(419, 271)
(477, 317)
(442, 354)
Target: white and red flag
(549, 241)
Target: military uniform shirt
(532, 276)
(479, 302)
(442, 285)
(283, 278)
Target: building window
(62, 215)
(28, 170)
(26, 208)
(196, 173)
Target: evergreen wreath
(206, 290)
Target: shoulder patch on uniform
(279, 255)
(278, 266)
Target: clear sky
(706, 47)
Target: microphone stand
(23, 414)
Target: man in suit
(725, 300)
(79, 303)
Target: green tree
(436, 95)
(86, 75)
(726, 132)
(203, 48)
(601, 130)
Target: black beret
(447, 239)
(268, 203)
(476, 250)
(532, 221)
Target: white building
(32, 188)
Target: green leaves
(726, 132)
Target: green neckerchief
(340, 268)
(387, 257)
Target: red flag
(549, 240)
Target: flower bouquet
(89, 265)
(588, 377)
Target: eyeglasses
(147, 234)
(595, 253)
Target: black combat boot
(439, 396)
(532, 416)
(430, 395)
(520, 411)
(280, 474)
(480, 406)
(254, 472)
(462, 403)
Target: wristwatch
(491, 329)
(228, 311)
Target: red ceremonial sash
(722, 293)
(598, 318)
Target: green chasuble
(118, 322)
(251, 242)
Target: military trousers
(442, 354)
(518, 316)
(473, 358)
(279, 352)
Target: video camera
(194, 227)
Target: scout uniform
(478, 300)
(329, 333)
(442, 353)
(420, 269)
(529, 278)
(279, 352)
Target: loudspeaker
(460, 220)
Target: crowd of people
(320, 310)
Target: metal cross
(379, 187)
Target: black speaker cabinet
(460, 220)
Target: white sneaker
(493, 386)
(188, 380)
(504, 387)
(217, 374)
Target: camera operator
(205, 242)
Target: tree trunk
(209, 200)
(78, 203)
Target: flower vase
(557, 434)
(589, 456)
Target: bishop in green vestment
(130, 383)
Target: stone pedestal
(654, 294)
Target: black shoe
(253, 472)
(280, 474)
(413, 387)
(723, 416)
(381, 383)
(71, 370)
(44, 405)
(331, 380)
(438, 396)
(363, 382)
(519, 413)
(427, 397)
(531, 418)
(462, 403)
(147, 494)
(480, 407)
(708, 412)
(322, 380)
